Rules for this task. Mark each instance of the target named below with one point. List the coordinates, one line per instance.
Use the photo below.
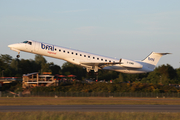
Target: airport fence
(90, 94)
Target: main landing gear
(93, 75)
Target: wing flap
(100, 64)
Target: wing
(100, 64)
(122, 62)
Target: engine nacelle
(130, 63)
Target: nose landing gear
(18, 55)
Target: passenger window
(109, 60)
(101, 59)
(106, 60)
(59, 50)
(93, 57)
(84, 55)
(97, 58)
(51, 48)
(68, 52)
(76, 54)
(72, 53)
(88, 56)
(64, 51)
(80, 54)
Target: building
(34, 79)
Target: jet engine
(130, 64)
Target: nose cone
(10, 46)
(14, 47)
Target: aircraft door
(36, 46)
(26, 47)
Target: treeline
(78, 86)
(164, 74)
(108, 88)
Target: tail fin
(153, 58)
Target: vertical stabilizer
(153, 58)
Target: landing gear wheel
(18, 56)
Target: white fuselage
(85, 59)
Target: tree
(154, 77)
(134, 77)
(163, 74)
(27, 66)
(178, 75)
(42, 64)
(69, 68)
(2, 67)
(166, 70)
(120, 78)
(6, 59)
(107, 75)
(54, 68)
(15, 64)
(39, 59)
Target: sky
(129, 29)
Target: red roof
(71, 76)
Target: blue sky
(122, 29)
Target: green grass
(87, 101)
(42, 115)
(87, 116)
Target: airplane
(88, 60)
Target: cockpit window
(30, 43)
(25, 42)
